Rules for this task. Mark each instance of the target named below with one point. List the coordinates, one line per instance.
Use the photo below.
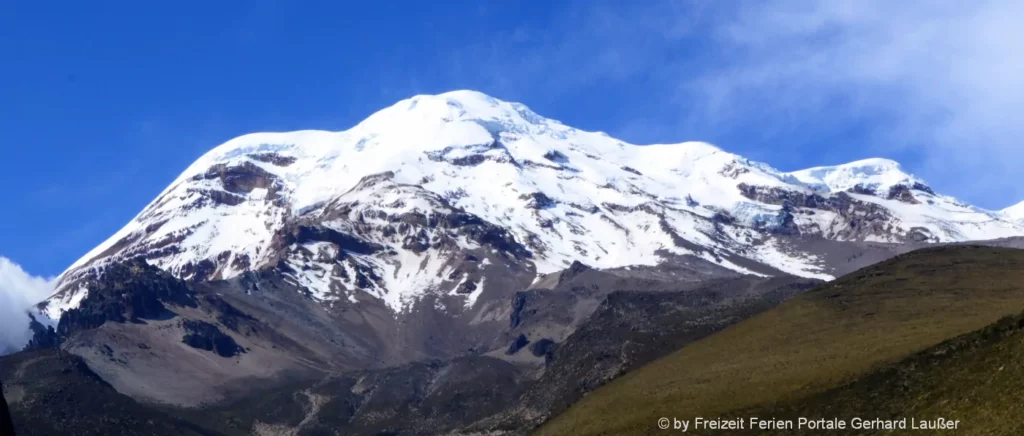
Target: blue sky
(104, 103)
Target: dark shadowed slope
(976, 379)
(515, 389)
(815, 342)
(6, 426)
(630, 329)
(53, 393)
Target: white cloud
(944, 80)
(938, 84)
(19, 290)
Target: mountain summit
(1015, 212)
(442, 194)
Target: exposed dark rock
(918, 186)
(574, 270)
(631, 170)
(42, 336)
(453, 196)
(273, 158)
(863, 218)
(556, 156)
(538, 200)
(618, 207)
(532, 164)
(520, 342)
(345, 242)
(241, 262)
(199, 271)
(592, 208)
(126, 292)
(466, 288)
(518, 304)
(241, 178)
(206, 336)
(777, 196)
(477, 154)
(861, 189)
(221, 197)
(723, 217)
(544, 347)
(471, 160)
(902, 193)
(417, 243)
(784, 222)
(733, 170)
(491, 235)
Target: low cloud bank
(19, 291)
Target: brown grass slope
(818, 341)
(976, 379)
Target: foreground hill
(823, 339)
(975, 380)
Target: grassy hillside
(976, 379)
(818, 341)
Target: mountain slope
(392, 208)
(52, 393)
(1015, 212)
(975, 379)
(814, 342)
(501, 392)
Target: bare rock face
(128, 292)
(538, 200)
(206, 336)
(902, 193)
(855, 219)
(43, 337)
(56, 393)
(274, 158)
(241, 178)
(520, 342)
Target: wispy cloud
(19, 290)
(936, 82)
(939, 79)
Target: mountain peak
(873, 173)
(467, 171)
(1015, 212)
(454, 106)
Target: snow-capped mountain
(438, 194)
(1015, 212)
